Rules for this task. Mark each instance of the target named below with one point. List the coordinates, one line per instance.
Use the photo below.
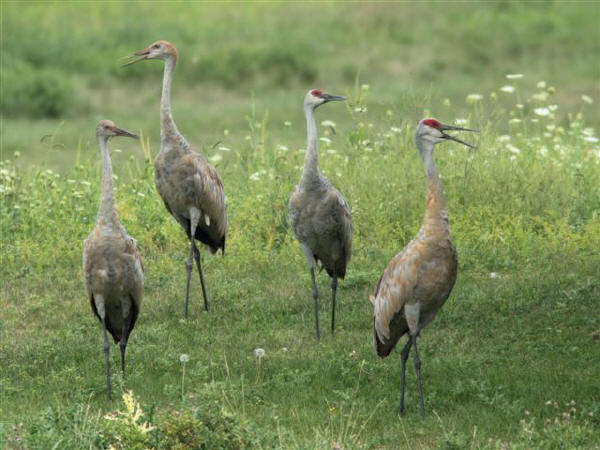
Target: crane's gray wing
(344, 218)
(210, 195)
(394, 289)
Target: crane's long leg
(417, 362)
(124, 338)
(188, 275)
(199, 264)
(315, 294)
(106, 358)
(334, 283)
(403, 358)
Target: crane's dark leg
(199, 264)
(417, 362)
(124, 338)
(106, 358)
(403, 358)
(334, 283)
(315, 294)
(188, 274)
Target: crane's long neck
(169, 134)
(107, 214)
(310, 173)
(435, 223)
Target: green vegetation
(513, 357)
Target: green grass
(500, 349)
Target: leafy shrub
(34, 93)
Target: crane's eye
(156, 46)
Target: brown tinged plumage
(112, 266)
(419, 279)
(319, 215)
(188, 184)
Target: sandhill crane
(418, 280)
(188, 184)
(112, 266)
(319, 215)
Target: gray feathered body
(113, 276)
(321, 220)
(185, 180)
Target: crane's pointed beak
(452, 138)
(138, 56)
(121, 132)
(332, 98)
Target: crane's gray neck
(310, 172)
(107, 213)
(436, 218)
(169, 134)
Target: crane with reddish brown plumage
(188, 184)
(419, 279)
(319, 215)
(112, 266)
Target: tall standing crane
(319, 215)
(112, 266)
(419, 279)
(188, 184)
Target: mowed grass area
(513, 356)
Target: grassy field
(512, 359)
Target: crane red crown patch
(432, 123)
(316, 92)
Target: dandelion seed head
(183, 358)
(259, 352)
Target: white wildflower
(508, 89)
(70, 181)
(541, 85)
(461, 122)
(587, 99)
(395, 130)
(542, 112)
(325, 139)
(224, 149)
(590, 139)
(259, 352)
(86, 183)
(513, 158)
(514, 76)
(543, 151)
(503, 138)
(215, 158)
(282, 147)
(552, 107)
(446, 102)
(287, 123)
(331, 151)
(360, 109)
(494, 275)
(184, 358)
(514, 150)
(514, 121)
(365, 87)
(284, 349)
(255, 176)
(328, 123)
(519, 105)
(226, 132)
(474, 98)
(541, 96)
(588, 131)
